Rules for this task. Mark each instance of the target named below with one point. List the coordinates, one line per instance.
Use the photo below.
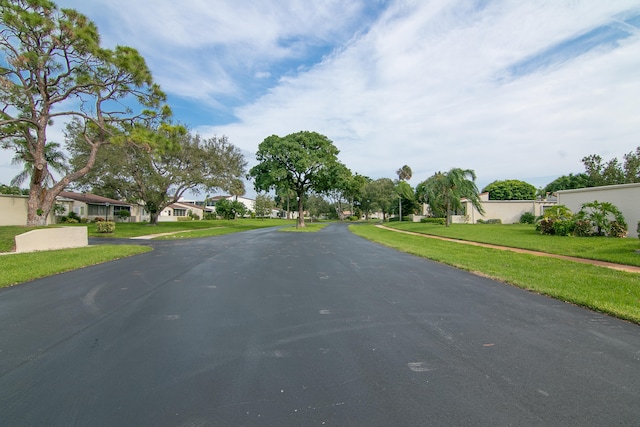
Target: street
(277, 329)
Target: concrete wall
(507, 211)
(13, 210)
(625, 197)
(52, 238)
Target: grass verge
(601, 289)
(525, 236)
(18, 268)
(310, 227)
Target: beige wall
(52, 238)
(625, 197)
(507, 211)
(13, 210)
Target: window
(180, 212)
(97, 210)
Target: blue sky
(512, 90)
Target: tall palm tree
(404, 173)
(56, 161)
(443, 191)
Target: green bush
(184, 218)
(563, 227)
(428, 220)
(71, 221)
(105, 226)
(122, 214)
(490, 221)
(527, 218)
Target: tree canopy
(160, 176)
(302, 162)
(53, 68)
(511, 189)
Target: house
(625, 197)
(91, 206)
(249, 204)
(507, 211)
(180, 210)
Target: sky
(510, 89)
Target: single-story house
(507, 211)
(625, 197)
(91, 206)
(180, 210)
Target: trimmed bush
(545, 226)
(563, 227)
(490, 221)
(439, 221)
(528, 218)
(105, 226)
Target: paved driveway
(270, 328)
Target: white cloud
(429, 84)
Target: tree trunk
(153, 218)
(300, 222)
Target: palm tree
(56, 160)
(443, 191)
(404, 173)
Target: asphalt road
(276, 329)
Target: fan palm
(56, 160)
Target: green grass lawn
(602, 289)
(309, 227)
(18, 268)
(525, 236)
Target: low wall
(52, 238)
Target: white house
(507, 211)
(625, 197)
(180, 210)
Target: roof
(92, 199)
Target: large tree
(510, 189)
(302, 162)
(52, 68)
(567, 182)
(443, 191)
(380, 194)
(157, 177)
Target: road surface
(278, 329)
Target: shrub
(583, 228)
(489, 221)
(184, 218)
(527, 218)
(545, 226)
(563, 227)
(123, 214)
(105, 226)
(71, 220)
(73, 215)
(439, 221)
(617, 229)
(98, 219)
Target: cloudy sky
(510, 89)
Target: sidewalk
(614, 266)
